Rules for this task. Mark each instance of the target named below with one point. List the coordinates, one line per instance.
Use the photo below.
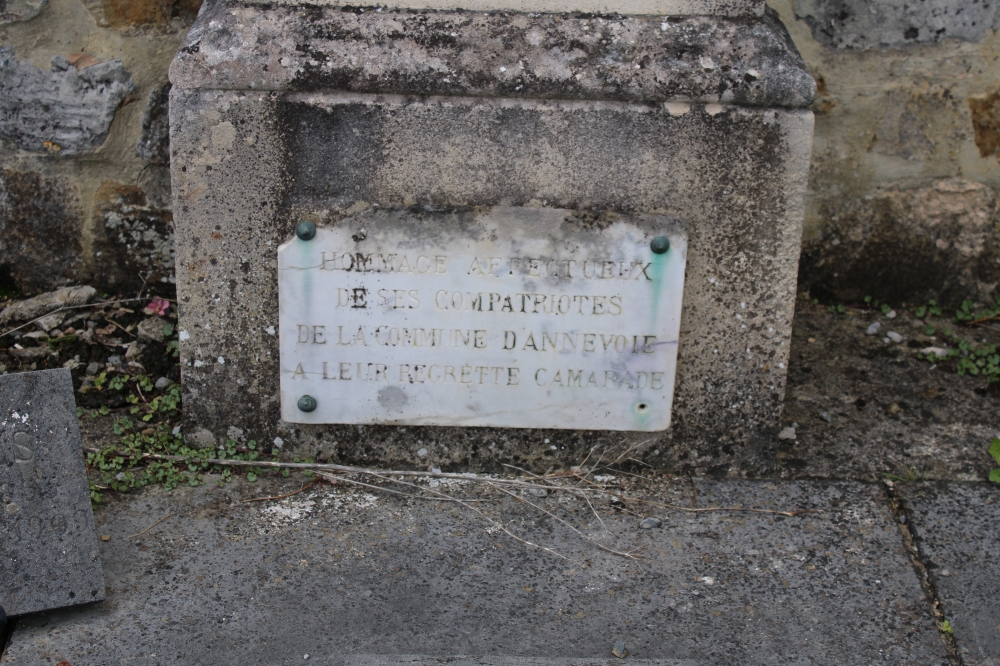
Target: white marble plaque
(508, 317)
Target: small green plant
(931, 309)
(967, 313)
(995, 452)
(149, 447)
(127, 467)
(884, 308)
(309, 461)
(909, 475)
(976, 360)
(946, 627)
(103, 410)
(836, 309)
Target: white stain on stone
(278, 515)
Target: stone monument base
(280, 115)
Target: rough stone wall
(902, 201)
(907, 127)
(84, 181)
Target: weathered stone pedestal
(348, 118)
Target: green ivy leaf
(995, 449)
(995, 475)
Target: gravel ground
(862, 407)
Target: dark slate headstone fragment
(48, 545)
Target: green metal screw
(307, 403)
(305, 230)
(659, 245)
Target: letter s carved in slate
(24, 458)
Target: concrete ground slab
(353, 577)
(416, 660)
(956, 530)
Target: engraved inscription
(488, 327)
(24, 457)
(48, 545)
(33, 527)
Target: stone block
(45, 303)
(135, 240)
(35, 208)
(905, 246)
(655, 7)
(12, 11)
(512, 56)
(48, 547)
(985, 111)
(882, 24)
(128, 15)
(589, 114)
(66, 110)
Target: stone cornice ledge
(653, 7)
(747, 61)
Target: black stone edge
(6, 629)
(210, 9)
